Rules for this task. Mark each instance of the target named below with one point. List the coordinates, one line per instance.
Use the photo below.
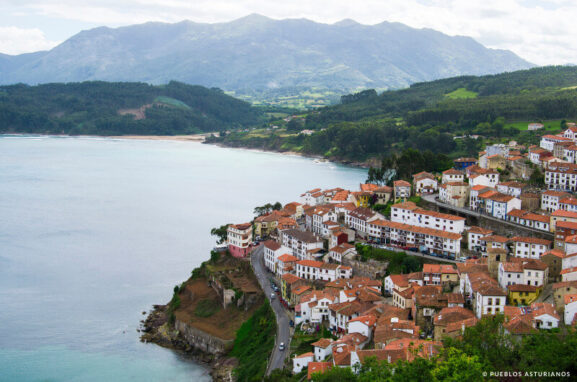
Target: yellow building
(521, 294)
(362, 198)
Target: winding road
(277, 359)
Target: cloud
(537, 30)
(14, 40)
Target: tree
(267, 208)
(458, 366)
(220, 233)
(537, 178)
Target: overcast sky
(540, 31)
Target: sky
(539, 31)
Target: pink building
(239, 239)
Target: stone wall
(371, 268)
(203, 341)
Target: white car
(272, 296)
(281, 346)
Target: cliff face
(201, 340)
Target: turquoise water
(94, 231)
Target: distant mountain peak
(251, 53)
(346, 23)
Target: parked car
(272, 296)
(281, 346)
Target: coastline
(201, 138)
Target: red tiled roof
(565, 214)
(401, 183)
(531, 240)
(318, 367)
(286, 258)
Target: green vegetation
(301, 341)
(267, 208)
(220, 233)
(174, 304)
(441, 116)
(107, 108)
(461, 93)
(207, 308)
(484, 348)
(254, 343)
(399, 262)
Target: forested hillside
(455, 116)
(109, 108)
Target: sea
(94, 231)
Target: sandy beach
(182, 138)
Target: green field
(171, 102)
(550, 125)
(461, 93)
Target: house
(322, 348)
(511, 188)
(341, 251)
(312, 197)
(474, 196)
(392, 327)
(488, 298)
(569, 274)
(554, 261)
(570, 153)
(562, 216)
(474, 235)
(451, 322)
(568, 204)
(239, 239)
(529, 247)
(480, 180)
(570, 309)
(438, 274)
(272, 251)
(301, 243)
(313, 306)
(527, 272)
(454, 193)
(561, 177)
(496, 161)
(409, 213)
(341, 313)
(426, 239)
(403, 298)
(535, 126)
(265, 225)
(392, 282)
(522, 294)
(285, 264)
(364, 325)
(318, 270)
(318, 368)
(383, 194)
(294, 209)
(463, 163)
(288, 283)
(402, 189)
(427, 302)
(491, 174)
(548, 141)
(529, 219)
(498, 205)
(359, 218)
(362, 198)
(316, 216)
(425, 183)
(544, 316)
(493, 242)
(300, 362)
(452, 175)
(560, 290)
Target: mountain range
(259, 54)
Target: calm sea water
(94, 231)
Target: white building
(511, 188)
(570, 310)
(343, 250)
(409, 213)
(550, 200)
(318, 270)
(425, 183)
(301, 362)
(272, 251)
(561, 176)
(529, 247)
(452, 175)
(363, 325)
(499, 205)
(548, 141)
(239, 239)
(322, 349)
(360, 217)
(474, 236)
(301, 243)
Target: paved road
(283, 330)
(433, 199)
